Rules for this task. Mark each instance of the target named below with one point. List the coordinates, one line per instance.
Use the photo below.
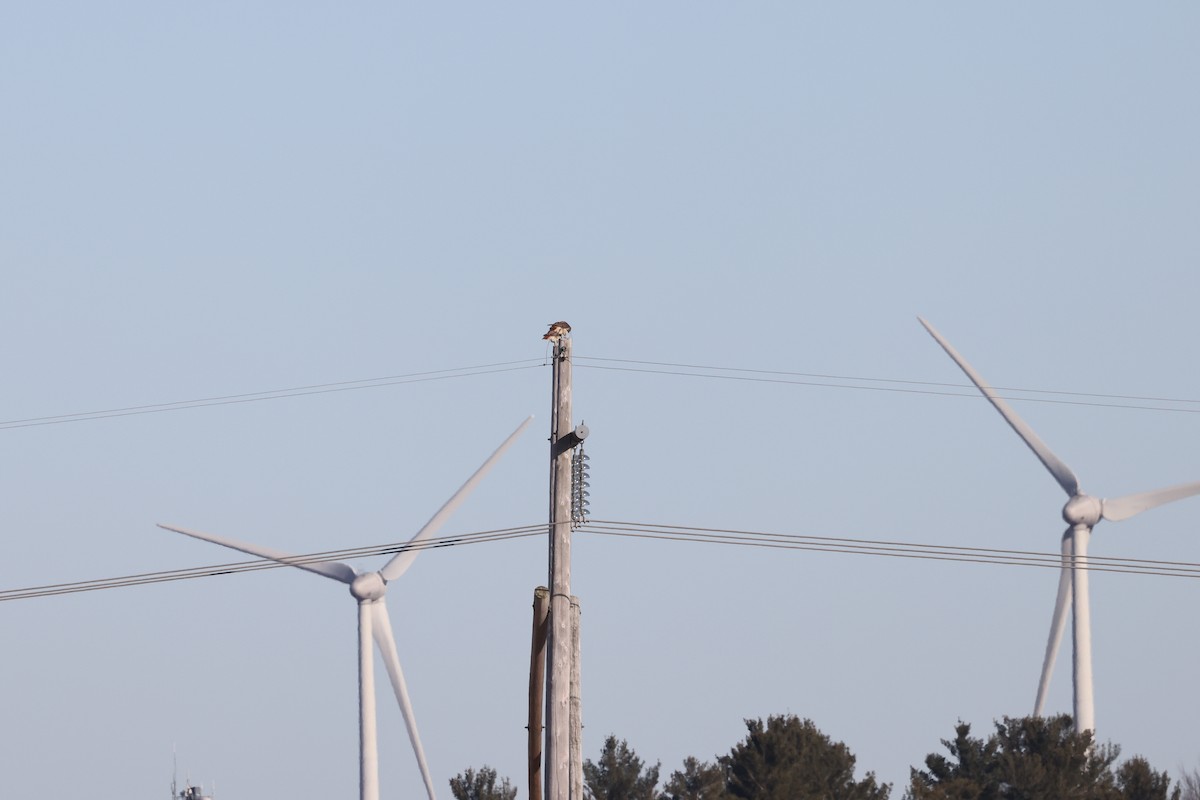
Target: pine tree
(1138, 781)
(619, 774)
(1034, 758)
(696, 781)
(472, 785)
(790, 759)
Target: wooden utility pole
(576, 768)
(537, 675)
(558, 686)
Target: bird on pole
(557, 331)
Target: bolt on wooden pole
(537, 677)
(558, 684)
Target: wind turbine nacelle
(1083, 510)
(368, 586)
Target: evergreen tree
(1034, 758)
(790, 759)
(696, 781)
(1138, 781)
(619, 775)
(472, 785)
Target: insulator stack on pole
(580, 482)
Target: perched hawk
(557, 331)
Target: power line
(892, 549)
(277, 394)
(887, 380)
(141, 579)
(824, 383)
(902, 386)
(649, 531)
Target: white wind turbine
(1081, 514)
(368, 589)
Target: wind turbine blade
(1061, 472)
(330, 569)
(1057, 624)
(403, 560)
(387, 647)
(1125, 507)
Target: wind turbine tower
(368, 590)
(1081, 513)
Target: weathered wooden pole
(537, 677)
(558, 684)
(576, 707)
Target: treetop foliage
(1034, 758)
(472, 785)
(696, 781)
(619, 774)
(784, 758)
(787, 758)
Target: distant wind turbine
(368, 588)
(1081, 514)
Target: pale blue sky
(209, 199)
